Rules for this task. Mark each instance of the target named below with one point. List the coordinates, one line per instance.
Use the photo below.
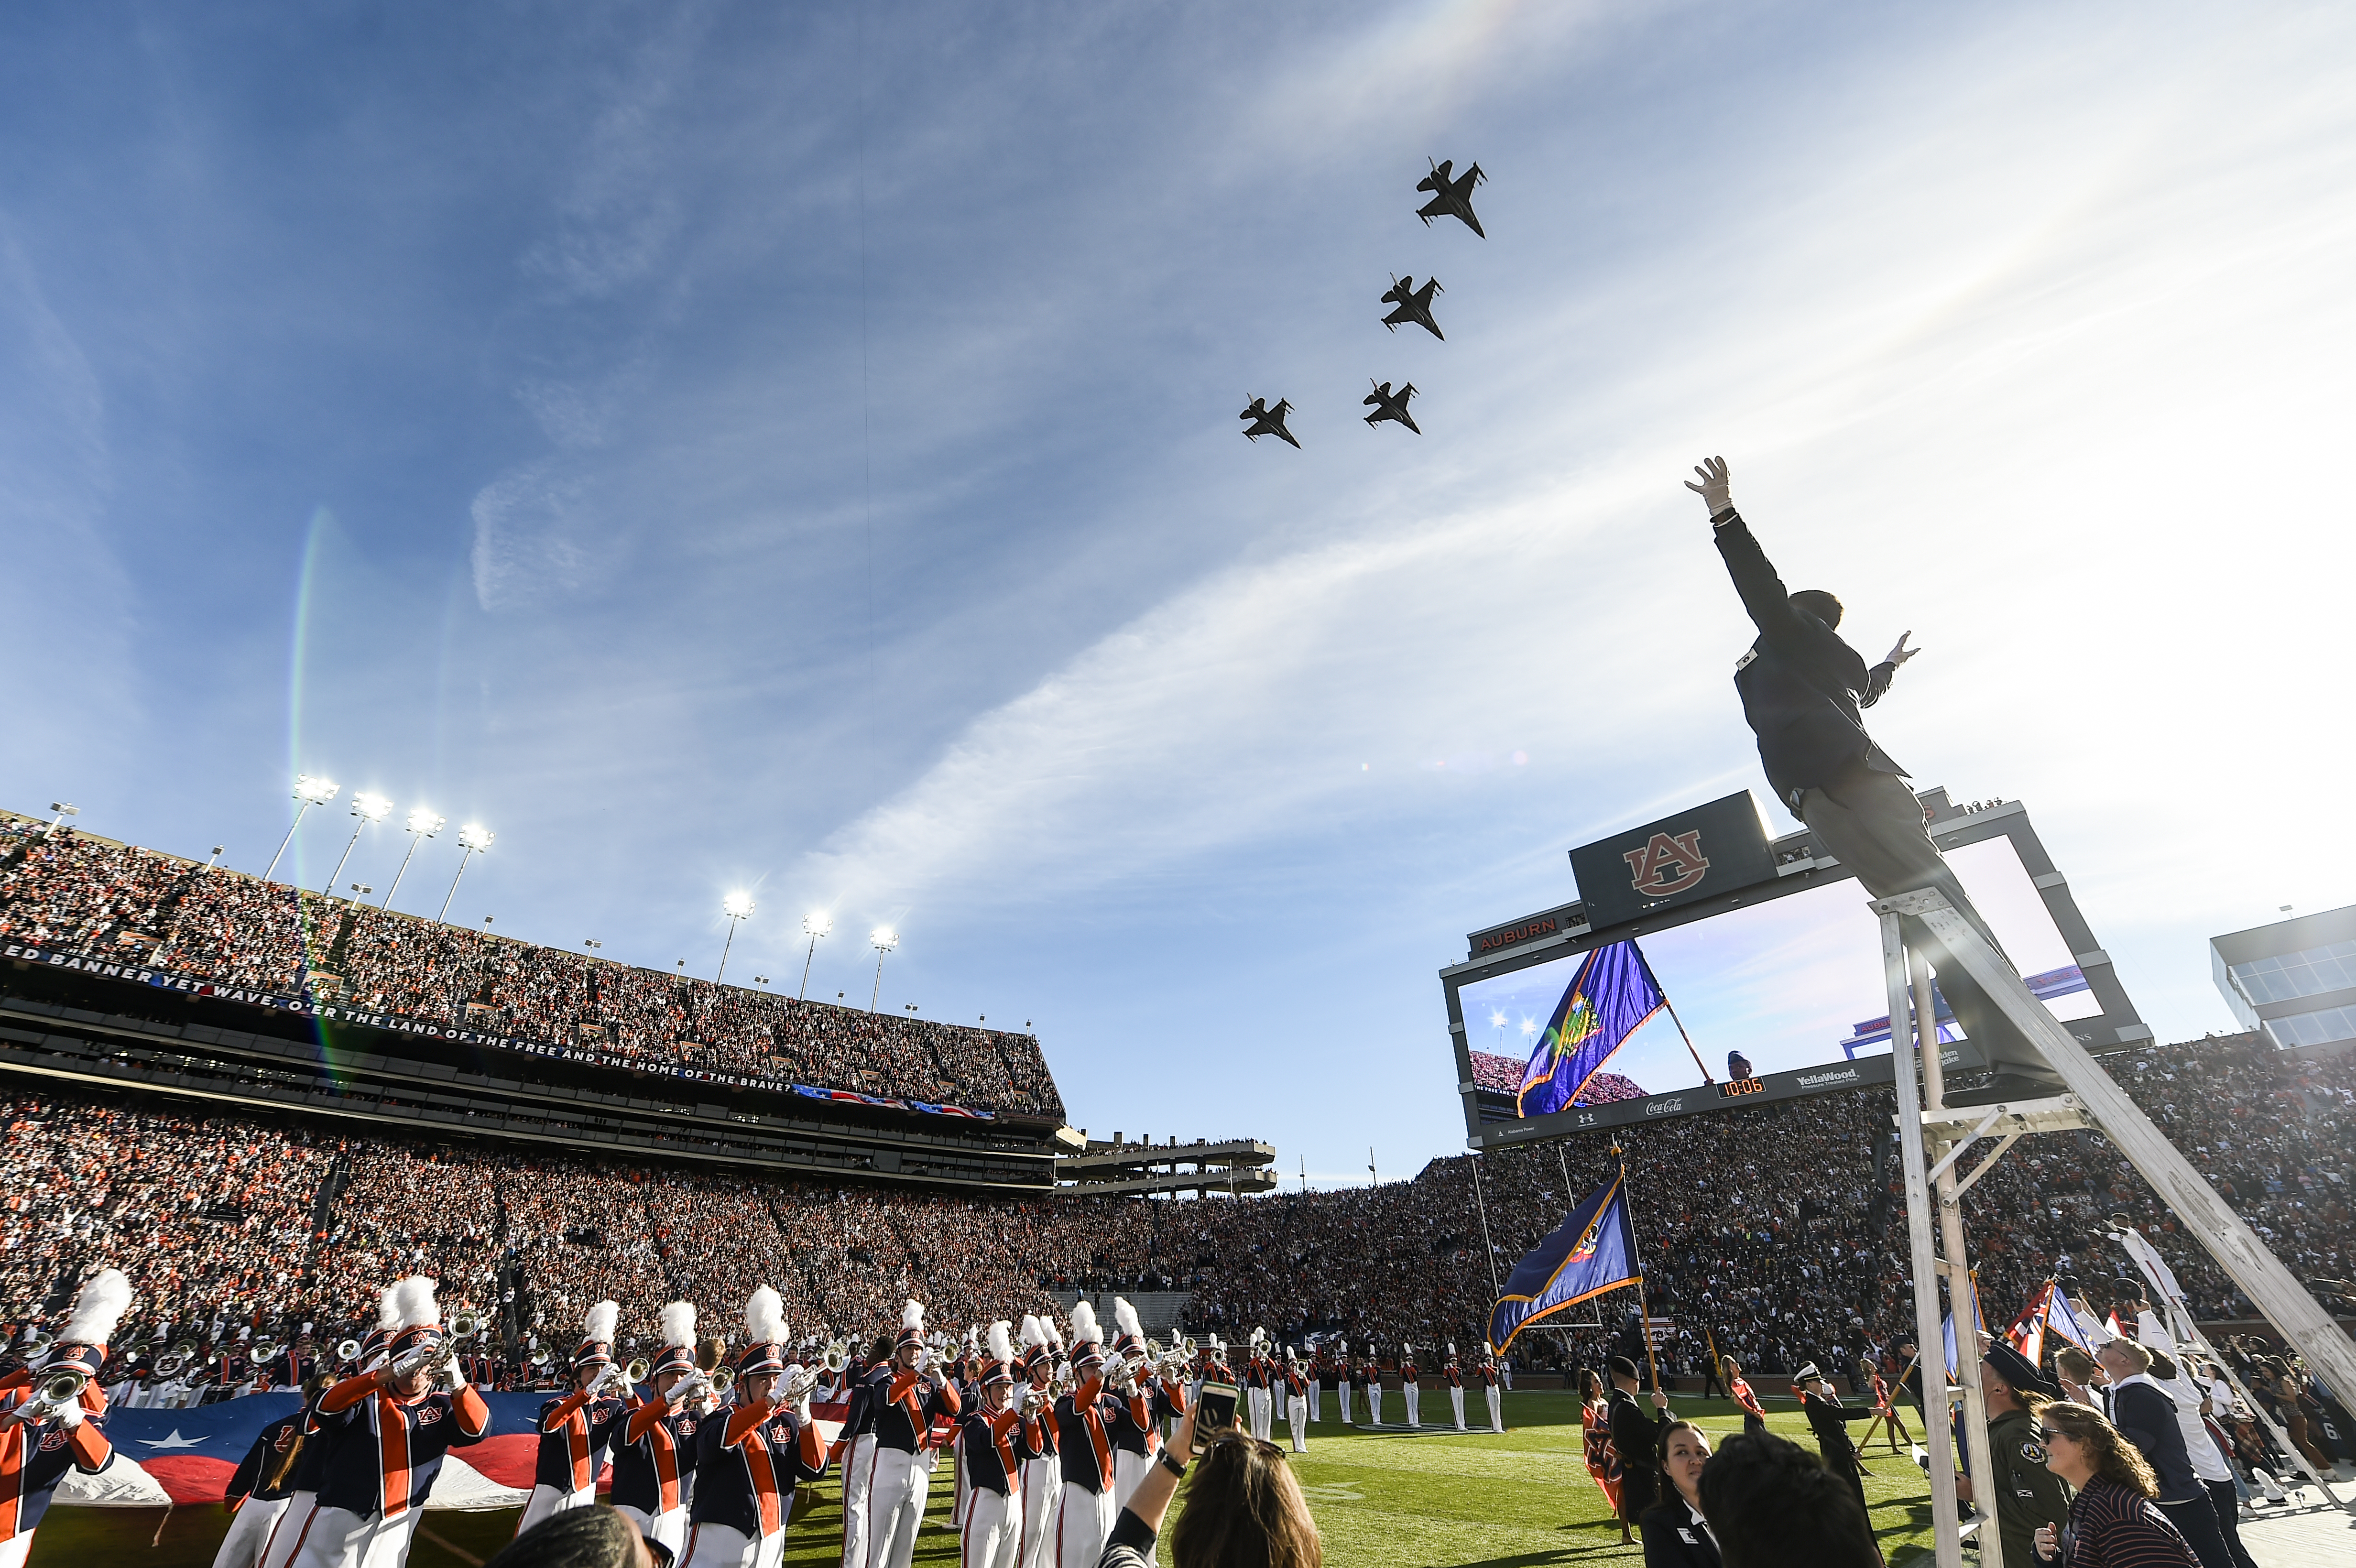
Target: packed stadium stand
(256, 1167)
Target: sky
(793, 449)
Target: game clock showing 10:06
(1735, 1088)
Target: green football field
(1390, 1498)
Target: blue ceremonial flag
(1610, 999)
(1595, 1251)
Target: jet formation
(1452, 197)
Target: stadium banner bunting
(1592, 1252)
(396, 1023)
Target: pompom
(764, 1318)
(679, 1322)
(98, 1309)
(413, 1304)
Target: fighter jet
(1268, 421)
(1451, 196)
(1388, 407)
(1414, 304)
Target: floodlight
(475, 836)
(884, 937)
(736, 906)
(366, 808)
(311, 791)
(472, 838)
(424, 823)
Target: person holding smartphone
(1244, 1504)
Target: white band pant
(720, 1546)
(249, 1533)
(1042, 1486)
(1296, 1416)
(897, 1485)
(992, 1537)
(337, 1538)
(1083, 1519)
(669, 1527)
(856, 1464)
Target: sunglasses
(2050, 1433)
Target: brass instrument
(465, 1324)
(720, 1381)
(636, 1372)
(1034, 1398)
(169, 1363)
(836, 1357)
(347, 1349)
(541, 1358)
(33, 1342)
(261, 1350)
(1192, 1350)
(432, 1348)
(797, 1384)
(58, 1390)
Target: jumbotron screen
(1787, 983)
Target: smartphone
(1214, 1408)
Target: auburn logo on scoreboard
(1667, 864)
(1716, 847)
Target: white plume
(1033, 1334)
(98, 1309)
(679, 1324)
(1125, 1316)
(1405, 1350)
(413, 1304)
(1055, 1331)
(388, 1308)
(764, 1318)
(601, 1320)
(912, 1315)
(1084, 1325)
(1001, 1348)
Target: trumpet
(1034, 1398)
(58, 1390)
(33, 1341)
(720, 1380)
(797, 1384)
(347, 1349)
(636, 1372)
(424, 1353)
(1190, 1348)
(465, 1324)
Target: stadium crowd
(1765, 1232)
(75, 892)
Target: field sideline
(1385, 1500)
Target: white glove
(70, 1416)
(1714, 490)
(454, 1376)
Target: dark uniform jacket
(574, 1433)
(252, 1477)
(654, 1452)
(1801, 685)
(2027, 1494)
(1636, 1436)
(1674, 1538)
(2145, 1414)
(748, 1459)
(992, 1448)
(906, 1406)
(1829, 1419)
(391, 1448)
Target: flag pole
(1643, 1314)
(1663, 991)
(1480, 1204)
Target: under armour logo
(1667, 864)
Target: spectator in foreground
(1244, 1507)
(595, 1537)
(1676, 1534)
(2144, 1412)
(1771, 1504)
(2113, 1522)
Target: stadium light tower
(423, 824)
(815, 924)
(311, 791)
(63, 811)
(737, 907)
(472, 838)
(885, 939)
(368, 808)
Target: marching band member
(1454, 1373)
(1410, 1386)
(994, 1445)
(1372, 1362)
(318, 1437)
(1084, 1417)
(1321, 1373)
(39, 1438)
(656, 1453)
(576, 1430)
(1297, 1385)
(1754, 1417)
(1135, 1434)
(750, 1459)
(1347, 1381)
(256, 1494)
(1489, 1376)
(1043, 1478)
(397, 1426)
(1259, 1373)
(869, 1378)
(917, 1391)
